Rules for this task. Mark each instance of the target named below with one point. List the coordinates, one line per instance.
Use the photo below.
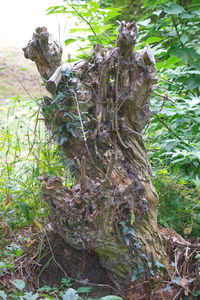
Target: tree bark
(97, 112)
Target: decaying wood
(44, 51)
(97, 113)
(55, 79)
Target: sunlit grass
(27, 152)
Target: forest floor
(18, 76)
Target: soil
(82, 267)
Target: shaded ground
(20, 76)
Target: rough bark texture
(97, 113)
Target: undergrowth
(27, 152)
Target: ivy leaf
(110, 297)
(159, 264)
(19, 284)
(31, 296)
(3, 267)
(63, 140)
(72, 132)
(3, 295)
(47, 297)
(176, 280)
(138, 271)
(167, 288)
(70, 294)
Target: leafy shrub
(19, 292)
(173, 136)
(179, 203)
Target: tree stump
(97, 112)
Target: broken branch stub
(44, 50)
(126, 39)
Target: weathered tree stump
(97, 112)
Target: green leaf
(31, 296)
(144, 23)
(94, 6)
(19, 284)
(70, 294)
(83, 289)
(47, 297)
(45, 288)
(174, 9)
(184, 38)
(153, 39)
(110, 297)
(66, 282)
(138, 271)
(69, 41)
(186, 16)
(63, 139)
(25, 208)
(3, 267)
(110, 15)
(176, 280)
(157, 12)
(159, 264)
(3, 295)
(193, 82)
(72, 132)
(171, 61)
(167, 288)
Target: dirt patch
(82, 267)
(19, 76)
(47, 259)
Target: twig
(85, 20)
(170, 130)
(176, 297)
(164, 96)
(117, 109)
(176, 29)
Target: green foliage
(26, 153)
(132, 9)
(92, 24)
(179, 203)
(59, 292)
(173, 136)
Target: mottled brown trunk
(97, 112)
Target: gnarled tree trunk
(97, 112)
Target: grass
(20, 76)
